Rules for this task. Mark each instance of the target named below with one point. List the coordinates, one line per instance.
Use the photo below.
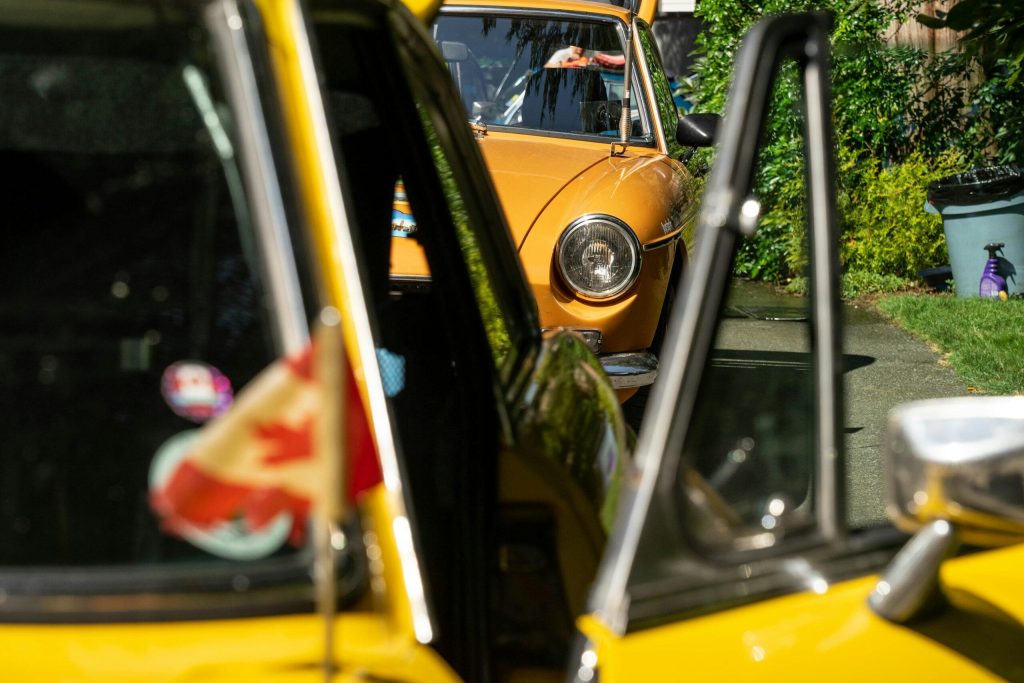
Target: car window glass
(134, 307)
(559, 76)
(739, 472)
(483, 287)
(750, 444)
(667, 110)
(397, 185)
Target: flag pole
(329, 367)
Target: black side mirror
(697, 130)
(453, 51)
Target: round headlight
(598, 256)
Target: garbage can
(982, 207)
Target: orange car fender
(646, 192)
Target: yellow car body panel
(425, 10)
(319, 182)
(288, 648)
(294, 76)
(835, 636)
(598, 8)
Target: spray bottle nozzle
(994, 247)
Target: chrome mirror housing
(955, 474)
(960, 460)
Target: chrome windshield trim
(609, 601)
(226, 25)
(406, 541)
(822, 216)
(653, 110)
(410, 278)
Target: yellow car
(585, 156)
(743, 549)
(190, 195)
(192, 187)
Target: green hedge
(902, 118)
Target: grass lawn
(983, 340)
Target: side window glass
(405, 201)
(133, 303)
(483, 288)
(751, 438)
(667, 110)
(744, 472)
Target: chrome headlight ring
(598, 257)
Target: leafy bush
(899, 115)
(887, 229)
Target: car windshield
(132, 306)
(562, 76)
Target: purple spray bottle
(992, 285)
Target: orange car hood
(528, 173)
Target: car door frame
(727, 213)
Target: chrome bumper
(630, 370)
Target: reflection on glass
(562, 76)
(750, 446)
(131, 299)
(490, 311)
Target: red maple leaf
(287, 443)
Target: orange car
(586, 158)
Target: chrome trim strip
(609, 598)
(654, 112)
(157, 606)
(225, 23)
(664, 241)
(125, 593)
(406, 542)
(630, 370)
(411, 278)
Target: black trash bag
(977, 186)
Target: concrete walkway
(884, 367)
(902, 369)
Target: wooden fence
(918, 35)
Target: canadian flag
(296, 437)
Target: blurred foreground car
(586, 157)
(184, 201)
(736, 555)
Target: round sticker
(195, 390)
(232, 540)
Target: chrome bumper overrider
(630, 370)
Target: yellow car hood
(835, 636)
(528, 172)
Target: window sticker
(196, 391)
(233, 540)
(403, 223)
